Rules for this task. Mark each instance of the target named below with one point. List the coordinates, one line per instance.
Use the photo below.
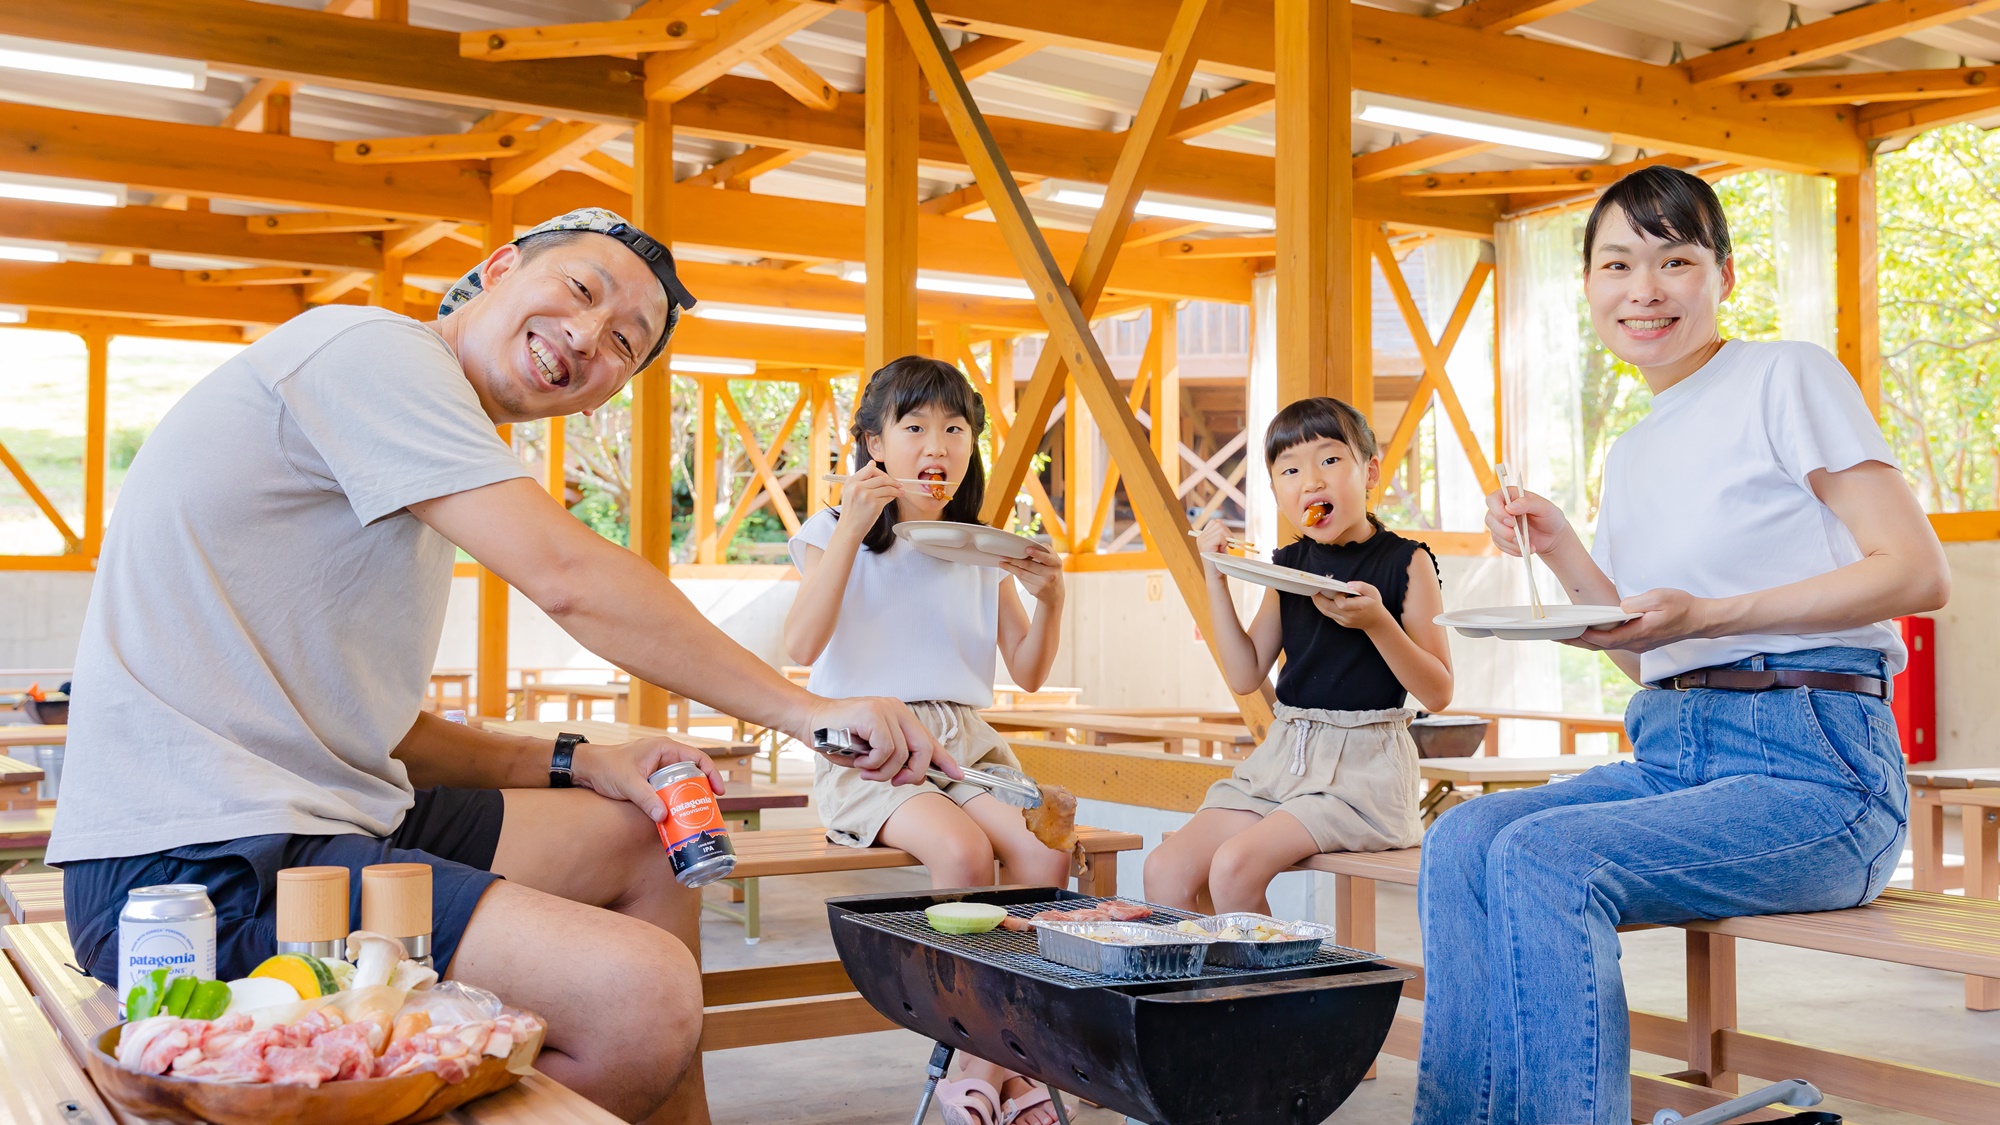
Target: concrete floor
(1864, 1007)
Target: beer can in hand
(169, 927)
(697, 841)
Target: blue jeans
(1739, 803)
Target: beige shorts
(854, 809)
(1349, 776)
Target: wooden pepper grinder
(313, 911)
(396, 902)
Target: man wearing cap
(266, 612)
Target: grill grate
(1017, 952)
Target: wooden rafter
(1248, 246)
(744, 30)
(72, 542)
(796, 78)
(743, 167)
(1232, 107)
(1849, 31)
(248, 113)
(446, 146)
(90, 288)
(555, 146)
(338, 286)
(609, 171)
(573, 40)
(1873, 86)
(1146, 232)
(1412, 156)
(1905, 118)
(1435, 355)
(400, 244)
(1505, 15)
(1571, 178)
(255, 275)
(1059, 298)
(319, 222)
(989, 53)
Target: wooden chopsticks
(1521, 538)
(949, 486)
(1239, 544)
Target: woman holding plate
(1759, 527)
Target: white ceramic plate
(974, 544)
(1285, 578)
(1519, 623)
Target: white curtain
(1260, 406)
(1541, 359)
(1448, 264)
(1802, 239)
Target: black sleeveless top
(1328, 665)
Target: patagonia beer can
(169, 927)
(697, 841)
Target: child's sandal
(1013, 1108)
(970, 1101)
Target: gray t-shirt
(266, 611)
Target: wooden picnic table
(50, 1015)
(20, 783)
(1492, 774)
(32, 734)
(1568, 726)
(731, 755)
(1927, 812)
(577, 697)
(1106, 729)
(745, 804)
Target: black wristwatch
(560, 776)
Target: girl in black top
(1338, 771)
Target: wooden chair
(1907, 927)
(32, 898)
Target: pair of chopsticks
(1521, 538)
(949, 486)
(1239, 544)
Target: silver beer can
(169, 927)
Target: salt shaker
(396, 902)
(313, 911)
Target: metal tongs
(1794, 1093)
(1010, 785)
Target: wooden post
(819, 446)
(555, 474)
(706, 548)
(1711, 1004)
(1858, 324)
(894, 85)
(1361, 343)
(652, 497)
(1079, 472)
(387, 292)
(1980, 837)
(1315, 73)
(1165, 346)
(1003, 377)
(492, 660)
(97, 343)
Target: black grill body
(1229, 1047)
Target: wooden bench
(1977, 799)
(24, 834)
(1928, 930)
(20, 783)
(43, 1079)
(77, 1009)
(32, 898)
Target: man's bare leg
(577, 845)
(622, 997)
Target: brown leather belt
(1745, 679)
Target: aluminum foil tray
(1274, 954)
(1122, 950)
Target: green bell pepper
(145, 998)
(174, 1002)
(209, 999)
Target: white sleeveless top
(911, 627)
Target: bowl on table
(1448, 736)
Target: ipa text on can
(696, 839)
(169, 927)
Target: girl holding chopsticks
(1338, 770)
(1758, 525)
(873, 610)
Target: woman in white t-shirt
(1758, 524)
(871, 609)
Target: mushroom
(374, 957)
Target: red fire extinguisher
(1915, 699)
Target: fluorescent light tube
(1245, 220)
(13, 314)
(1522, 135)
(50, 189)
(712, 365)
(44, 57)
(781, 318)
(13, 252)
(970, 287)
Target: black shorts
(454, 831)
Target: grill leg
(1055, 1099)
(934, 1073)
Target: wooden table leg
(1981, 828)
(1354, 919)
(1711, 1003)
(620, 707)
(1099, 876)
(1926, 841)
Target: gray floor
(1864, 1007)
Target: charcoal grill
(1227, 1047)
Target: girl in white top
(1757, 525)
(873, 610)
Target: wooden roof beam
(626, 37)
(157, 230)
(1412, 156)
(248, 113)
(444, 146)
(1505, 15)
(1865, 86)
(258, 275)
(84, 324)
(744, 30)
(1571, 178)
(1901, 119)
(989, 53)
(1231, 107)
(139, 291)
(319, 222)
(555, 146)
(796, 78)
(1850, 30)
(1248, 246)
(744, 166)
(606, 170)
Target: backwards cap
(658, 259)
